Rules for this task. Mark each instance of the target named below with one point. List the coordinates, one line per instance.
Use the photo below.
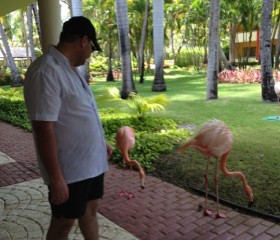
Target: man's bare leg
(59, 228)
(88, 222)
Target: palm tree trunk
(268, 94)
(213, 63)
(25, 37)
(4, 55)
(110, 75)
(30, 31)
(277, 52)
(232, 42)
(158, 35)
(34, 7)
(141, 64)
(128, 85)
(224, 60)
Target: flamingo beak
(251, 200)
(143, 183)
(250, 204)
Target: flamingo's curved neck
(126, 157)
(234, 174)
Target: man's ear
(84, 41)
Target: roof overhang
(8, 6)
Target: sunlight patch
(5, 158)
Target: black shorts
(79, 194)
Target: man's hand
(58, 191)
(109, 151)
(47, 148)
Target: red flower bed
(244, 76)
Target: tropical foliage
(138, 105)
(148, 147)
(244, 76)
(185, 27)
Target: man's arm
(47, 148)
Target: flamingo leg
(216, 180)
(206, 211)
(278, 104)
(130, 193)
(122, 192)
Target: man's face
(85, 51)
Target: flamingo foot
(250, 204)
(207, 212)
(130, 195)
(220, 215)
(122, 193)
(142, 183)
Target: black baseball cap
(81, 26)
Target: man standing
(68, 135)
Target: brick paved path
(160, 211)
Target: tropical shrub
(154, 136)
(190, 57)
(148, 147)
(244, 76)
(98, 64)
(5, 76)
(139, 106)
(12, 108)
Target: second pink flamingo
(214, 139)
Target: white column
(76, 8)
(50, 21)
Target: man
(71, 149)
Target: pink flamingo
(214, 139)
(125, 140)
(277, 91)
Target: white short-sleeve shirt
(53, 92)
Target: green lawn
(256, 141)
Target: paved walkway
(160, 211)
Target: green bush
(154, 136)
(190, 57)
(98, 64)
(5, 76)
(14, 112)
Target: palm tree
(30, 31)
(196, 26)
(144, 30)
(76, 9)
(249, 11)
(34, 7)
(16, 79)
(212, 70)
(103, 14)
(277, 27)
(24, 35)
(229, 21)
(268, 94)
(158, 36)
(175, 22)
(128, 85)
(277, 52)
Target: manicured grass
(256, 141)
